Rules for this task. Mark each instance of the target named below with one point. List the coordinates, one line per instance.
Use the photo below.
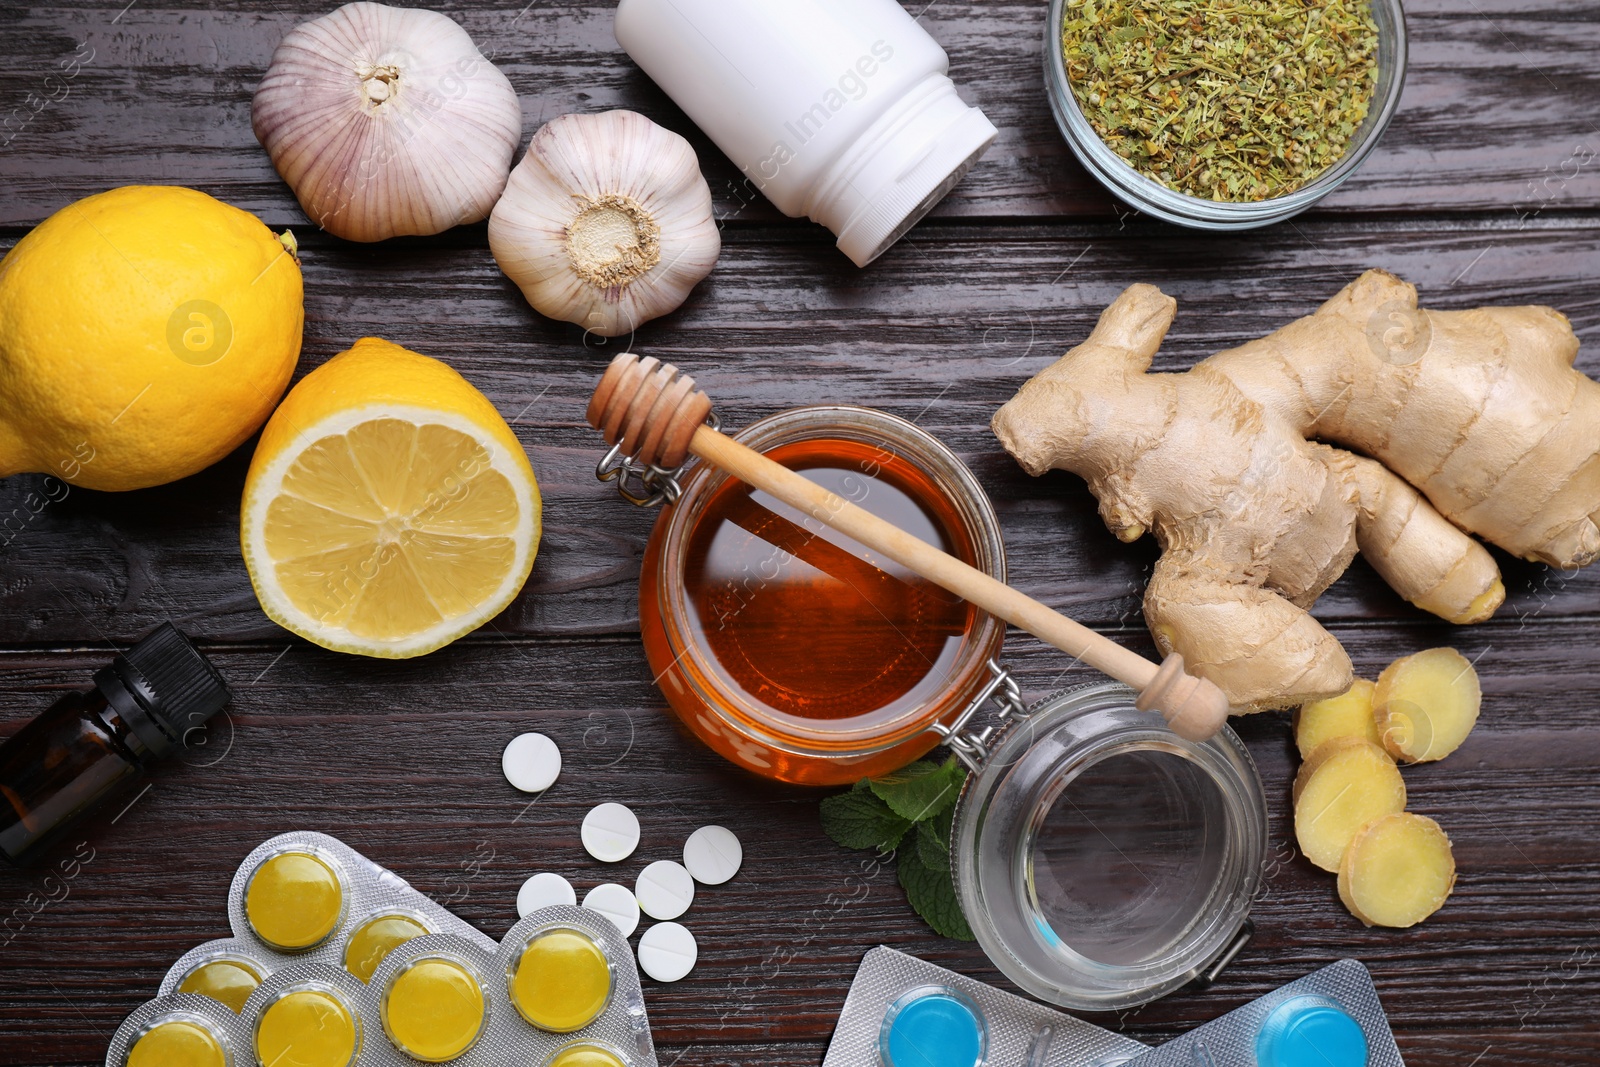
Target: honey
(808, 621)
(791, 648)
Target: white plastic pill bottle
(841, 111)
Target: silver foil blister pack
(1016, 1030)
(370, 892)
(1331, 1017)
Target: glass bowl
(1153, 198)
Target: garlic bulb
(606, 222)
(387, 121)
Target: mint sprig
(908, 813)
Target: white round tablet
(610, 832)
(544, 891)
(616, 903)
(713, 855)
(531, 762)
(665, 890)
(667, 952)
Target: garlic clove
(606, 222)
(387, 121)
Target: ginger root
(1343, 787)
(1397, 871)
(1347, 715)
(1426, 704)
(1473, 421)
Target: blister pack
(339, 962)
(1329, 1018)
(905, 1012)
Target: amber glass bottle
(90, 745)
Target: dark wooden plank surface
(942, 330)
(1499, 96)
(1478, 195)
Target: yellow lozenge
(294, 901)
(307, 1028)
(433, 1010)
(586, 1056)
(375, 939)
(177, 1044)
(228, 982)
(562, 982)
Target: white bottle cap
(610, 832)
(900, 168)
(616, 903)
(531, 762)
(544, 891)
(665, 890)
(667, 952)
(713, 855)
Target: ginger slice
(1345, 785)
(1426, 704)
(1397, 871)
(1346, 715)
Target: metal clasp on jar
(644, 484)
(973, 748)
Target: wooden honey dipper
(657, 416)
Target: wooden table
(1485, 190)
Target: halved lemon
(389, 509)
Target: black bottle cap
(173, 683)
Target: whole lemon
(145, 333)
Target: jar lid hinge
(973, 748)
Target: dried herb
(1223, 99)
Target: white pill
(713, 855)
(665, 890)
(667, 952)
(544, 891)
(610, 833)
(616, 903)
(531, 762)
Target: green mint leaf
(932, 852)
(933, 895)
(922, 790)
(943, 824)
(859, 819)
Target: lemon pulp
(228, 982)
(392, 528)
(294, 901)
(562, 982)
(375, 940)
(433, 1010)
(586, 1056)
(177, 1044)
(306, 1028)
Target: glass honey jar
(795, 651)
